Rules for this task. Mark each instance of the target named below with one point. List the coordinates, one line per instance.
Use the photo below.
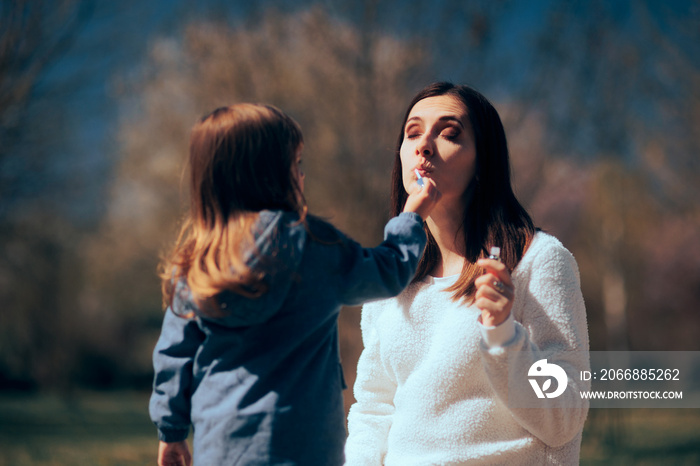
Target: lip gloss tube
(495, 253)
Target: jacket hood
(279, 245)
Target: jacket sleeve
(551, 325)
(383, 271)
(173, 360)
(371, 416)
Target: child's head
(244, 158)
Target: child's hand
(174, 454)
(423, 200)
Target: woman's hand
(423, 200)
(174, 454)
(494, 292)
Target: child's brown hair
(242, 160)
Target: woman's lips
(421, 170)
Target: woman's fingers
(489, 297)
(495, 292)
(496, 268)
(496, 284)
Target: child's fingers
(430, 189)
(174, 454)
(429, 192)
(423, 200)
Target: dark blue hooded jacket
(261, 381)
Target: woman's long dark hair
(492, 216)
(241, 162)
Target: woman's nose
(424, 147)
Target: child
(248, 352)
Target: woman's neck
(445, 223)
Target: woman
(445, 376)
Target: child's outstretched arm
(423, 199)
(384, 271)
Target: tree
(33, 36)
(36, 265)
(616, 84)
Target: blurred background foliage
(601, 103)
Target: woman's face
(439, 142)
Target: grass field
(113, 429)
(100, 429)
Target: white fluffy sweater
(432, 382)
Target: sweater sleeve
(173, 360)
(383, 271)
(552, 326)
(370, 417)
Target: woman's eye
(450, 134)
(412, 135)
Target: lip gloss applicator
(419, 179)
